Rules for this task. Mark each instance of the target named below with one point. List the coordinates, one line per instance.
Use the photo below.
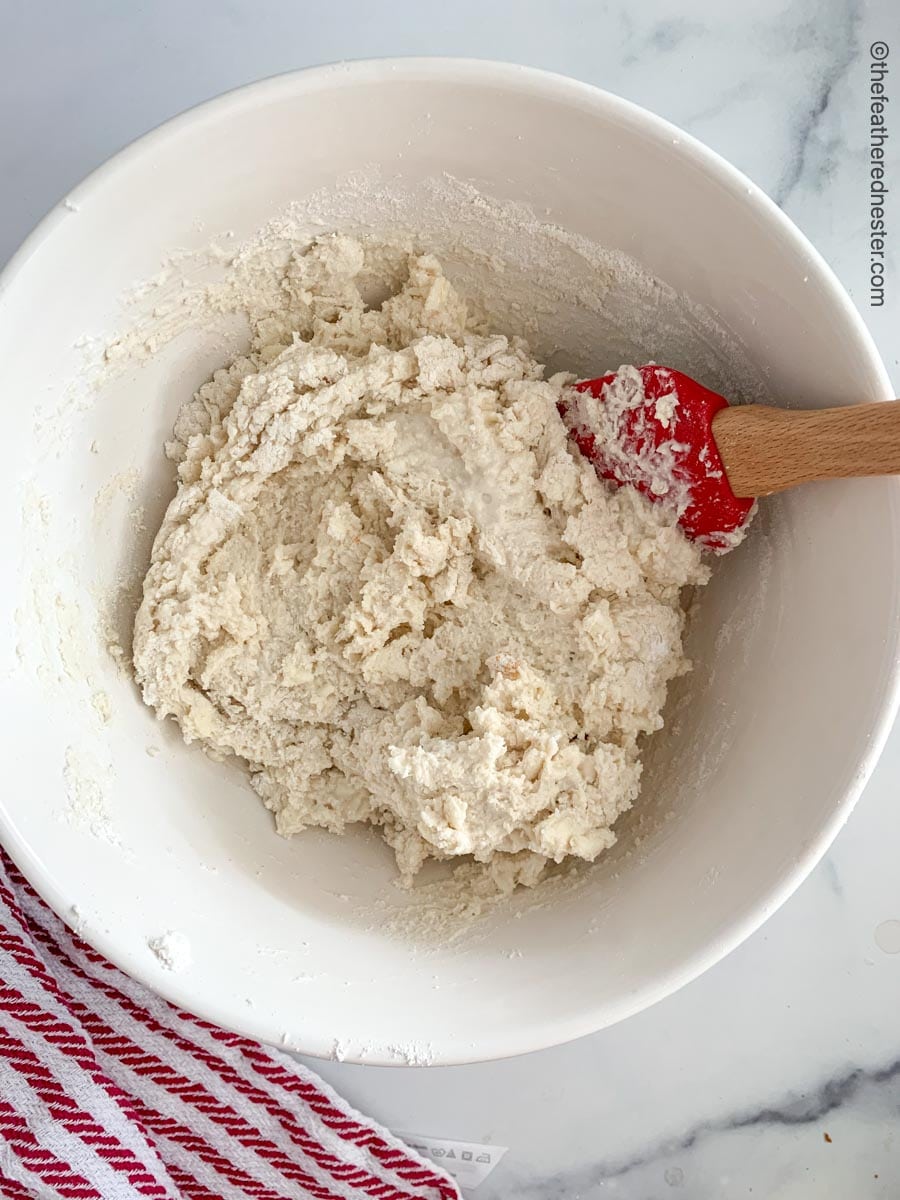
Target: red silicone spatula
(681, 444)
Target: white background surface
(727, 1089)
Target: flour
(172, 949)
(452, 914)
(390, 583)
(565, 294)
(87, 784)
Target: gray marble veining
(841, 42)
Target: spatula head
(651, 427)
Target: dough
(391, 584)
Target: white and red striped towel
(108, 1092)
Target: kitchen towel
(108, 1092)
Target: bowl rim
(550, 85)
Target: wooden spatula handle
(766, 450)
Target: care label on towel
(469, 1163)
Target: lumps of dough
(391, 584)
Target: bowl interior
(794, 641)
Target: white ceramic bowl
(796, 644)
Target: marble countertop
(777, 1074)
